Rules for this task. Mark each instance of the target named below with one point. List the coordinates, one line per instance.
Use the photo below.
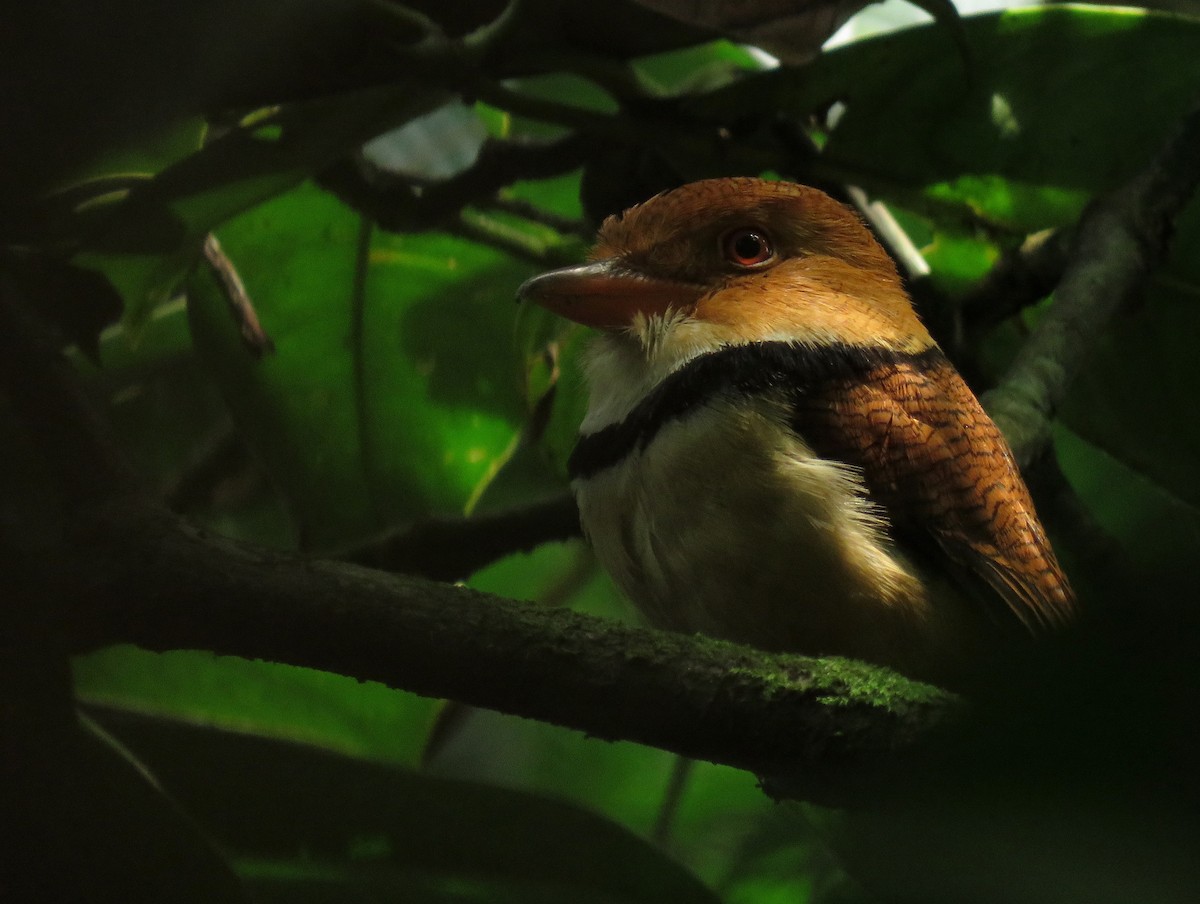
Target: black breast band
(735, 371)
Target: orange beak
(605, 295)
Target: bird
(776, 452)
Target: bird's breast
(726, 522)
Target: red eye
(746, 247)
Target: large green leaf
(1155, 528)
(303, 808)
(387, 398)
(145, 237)
(1131, 445)
(84, 822)
(1060, 103)
(1026, 111)
(1020, 139)
(269, 699)
(337, 713)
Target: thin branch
(408, 18)
(451, 549)
(434, 54)
(1020, 278)
(516, 16)
(890, 233)
(836, 727)
(1120, 239)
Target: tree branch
(451, 549)
(1120, 239)
(141, 576)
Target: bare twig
(1120, 239)
(240, 306)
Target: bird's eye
(746, 247)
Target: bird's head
(731, 261)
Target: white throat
(623, 368)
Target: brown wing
(934, 459)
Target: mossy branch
(833, 727)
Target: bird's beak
(605, 295)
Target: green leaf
(373, 821)
(261, 158)
(162, 221)
(1155, 529)
(361, 426)
(268, 699)
(694, 69)
(958, 260)
(1131, 400)
(558, 196)
(1024, 142)
(84, 822)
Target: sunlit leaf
(1026, 118)
(1022, 142)
(361, 427)
(790, 29)
(959, 260)
(268, 699)
(695, 69)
